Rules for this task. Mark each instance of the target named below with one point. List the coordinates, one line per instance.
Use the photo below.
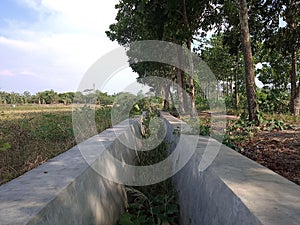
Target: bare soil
(278, 151)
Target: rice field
(32, 134)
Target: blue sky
(50, 44)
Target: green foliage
(273, 124)
(151, 209)
(155, 155)
(4, 146)
(201, 125)
(275, 69)
(230, 102)
(47, 97)
(289, 119)
(217, 56)
(273, 100)
(149, 105)
(172, 21)
(90, 121)
(124, 104)
(66, 98)
(180, 21)
(104, 99)
(239, 131)
(153, 204)
(201, 103)
(52, 97)
(55, 128)
(204, 128)
(130, 105)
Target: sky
(50, 44)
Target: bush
(273, 100)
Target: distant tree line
(52, 97)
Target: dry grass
(29, 136)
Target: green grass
(29, 136)
(240, 130)
(286, 118)
(152, 204)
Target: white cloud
(60, 46)
(84, 14)
(34, 4)
(93, 15)
(19, 44)
(6, 73)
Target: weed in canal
(153, 204)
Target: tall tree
(169, 20)
(291, 15)
(248, 61)
(190, 59)
(231, 38)
(284, 36)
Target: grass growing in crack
(153, 204)
(159, 208)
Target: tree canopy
(252, 40)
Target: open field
(34, 108)
(30, 135)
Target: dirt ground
(277, 150)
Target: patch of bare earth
(278, 151)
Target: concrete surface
(66, 190)
(234, 190)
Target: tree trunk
(207, 90)
(293, 82)
(230, 84)
(297, 105)
(180, 82)
(249, 67)
(184, 93)
(227, 86)
(191, 79)
(179, 91)
(166, 93)
(172, 98)
(191, 64)
(236, 88)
